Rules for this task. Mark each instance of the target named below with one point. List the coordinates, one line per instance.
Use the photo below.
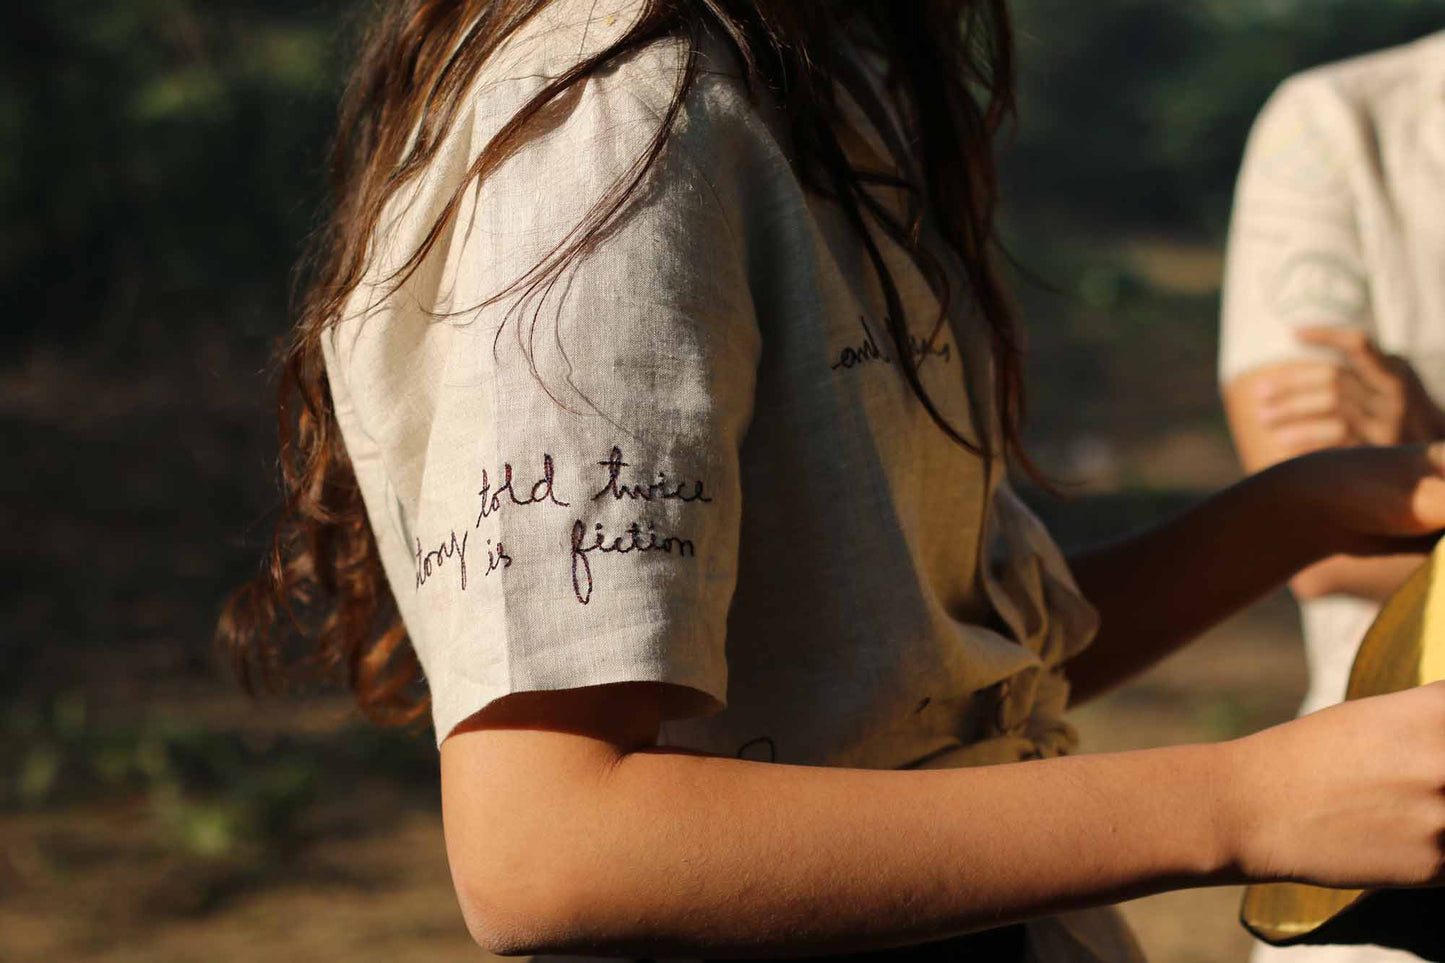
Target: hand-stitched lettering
(497, 557)
(868, 349)
(660, 490)
(428, 562)
(635, 540)
(766, 750)
(923, 348)
(542, 490)
(437, 557)
(640, 536)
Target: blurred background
(161, 165)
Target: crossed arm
(1361, 396)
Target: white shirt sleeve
(554, 475)
(1294, 257)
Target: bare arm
(624, 848)
(569, 832)
(1160, 589)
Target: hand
(1351, 796)
(1366, 500)
(1366, 397)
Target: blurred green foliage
(162, 162)
(163, 156)
(1133, 113)
(210, 794)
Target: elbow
(514, 878)
(523, 913)
(502, 923)
(497, 932)
(494, 924)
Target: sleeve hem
(464, 697)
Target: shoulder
(583, 145)
(1368, 90)
(626, 97)
(1363, 80)
(578, 168)
(714, 153)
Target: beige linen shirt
(1339, 218)
(693, 458)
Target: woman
(656, 364)
(1334, 316)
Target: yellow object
(1432, 639)
(1404, 647)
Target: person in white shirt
(1333, 326)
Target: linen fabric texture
(1339, 219)
(691, 457)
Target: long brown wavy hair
(950, 77)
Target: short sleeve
(555, 487)
(1294, 255)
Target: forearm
(1260, 445)
(667, 854)
(1373, 578)
(1158, 590)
